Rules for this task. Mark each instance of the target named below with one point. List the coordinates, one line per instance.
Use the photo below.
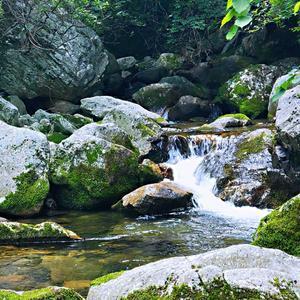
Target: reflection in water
(115, 242)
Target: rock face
(242, 166)
(281, 85)
(53, 293)
(156, 198)
(281, 228)
(189, 107)
(287, 122)
(71, 70)
(24, 156)
(248, 91)
(244, 269)
(140, 124)
(11, 232)
(8, 112)
(90, 170)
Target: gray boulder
(244, 269)
(24, 156)
(189, 107)
(8, 112)
(288, 121)
(157, 198)
(170, 61)
(126, 63)
(18, 103)
(70, 71)
(151, 75)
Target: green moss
(160, 120)
(217, 290)
(145, 130)
(56, 137)
(281, 228)
(236, 116)
(106, 278)
(29, 195)
(206, 127)
(42, 294)
(250, 146)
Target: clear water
(115, 242)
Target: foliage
(254, 14)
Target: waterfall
(186, 156)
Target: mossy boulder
(24, 158)
(106, 278)
(170, 61)
(12, 232)
(249, 90)
(50, 293)
(8, 112)
(228, 121)
(18, 103)
(157, 198)
(92, 169)
(281, 228)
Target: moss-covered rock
(24, 157)
(8, 112)
(248, 91)
(170, 61)
(50, 293)
(281, 228)
(106, 278)
(12, 232)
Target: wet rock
(281, 85)
(126, 63)
(54, 293)
(90, 170)
(77, 60)
(281, 228)
(288, 122)
(244, 172)
(244, 269)
(189, 107)
(248, 91)
(8, 112)
(156, 198)
(12, 232)
(229, 121)
(18, 103)
(138, 122)
(24, 156)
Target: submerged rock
(245, 271)
(53, 293)
(71, 70)
(248, 91)
(24, 156)
(156, 198)
(281, 228)
(12, 232)
(8, 112)
(91, 170)
(244, 172)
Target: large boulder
(90, 170)
(189, 107)
(141, 124)
(24, 156)
(53, 293)
(13, 232)
(281, 228)
(236, 272)
(248, 91)
(288, 122)
(244, 172)
(281, 85)
(157, 198)
(68, 62)
(8, 112)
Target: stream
(114, 242)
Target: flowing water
(115, 242)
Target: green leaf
(229, 4)
(243, 21)
(232, 32)
(240, 5)
(296, 8)
(228, 17)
